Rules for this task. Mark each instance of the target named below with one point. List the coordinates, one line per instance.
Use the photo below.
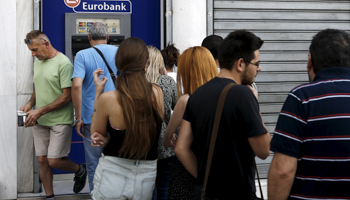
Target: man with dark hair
(54, 112)
(311, 140)
(242, 133)
(212, 43)
(170, 55)
(83, 89)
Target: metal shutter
(287, 28)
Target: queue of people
(147, 135)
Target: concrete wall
(189, 23)
(24, 64)
(8, 96)
(16, 144)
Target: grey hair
(98, 31)
(37, 35)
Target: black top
(117, 139)
(232, 170)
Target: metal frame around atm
(70, 27)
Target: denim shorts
(120, 178)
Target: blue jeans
(162, 182)
(92, 155)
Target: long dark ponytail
(136, 99)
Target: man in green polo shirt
(53, 117)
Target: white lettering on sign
(72, 1)
(104, 6)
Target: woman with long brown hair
(196, 66)
(132, 115)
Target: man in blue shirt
(312, 140)
(83, 89)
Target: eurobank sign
(82, 6)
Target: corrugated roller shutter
(287, 28)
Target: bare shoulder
(108, 95)
(184, 98)
(108, 99)
(182, 102)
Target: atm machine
(77, 28)
(66, 23)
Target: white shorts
(120, 178)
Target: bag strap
(104, 59)
(214, 133)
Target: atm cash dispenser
(77, 29)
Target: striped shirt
(314, 127)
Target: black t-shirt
(232, 170)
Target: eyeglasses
(256, 64)
(30, 41)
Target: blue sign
(104, 6)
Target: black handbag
(199, 192)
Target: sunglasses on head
(30, 41)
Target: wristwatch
(77, 120)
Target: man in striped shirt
(312, 137)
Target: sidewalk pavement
(63, 189)
(263, 183)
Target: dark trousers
(160, 191)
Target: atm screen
(83, 24)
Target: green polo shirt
(50, 78)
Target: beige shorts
(52, 141)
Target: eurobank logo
(72, 3)
(106, 6)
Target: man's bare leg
(64, 164)
(45, 172)
(68, 165)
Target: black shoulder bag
(199, 193)
(104, 59)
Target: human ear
(310, 69)
(239, 64)
(309, 63)
(46, 43)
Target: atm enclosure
(77, 29)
